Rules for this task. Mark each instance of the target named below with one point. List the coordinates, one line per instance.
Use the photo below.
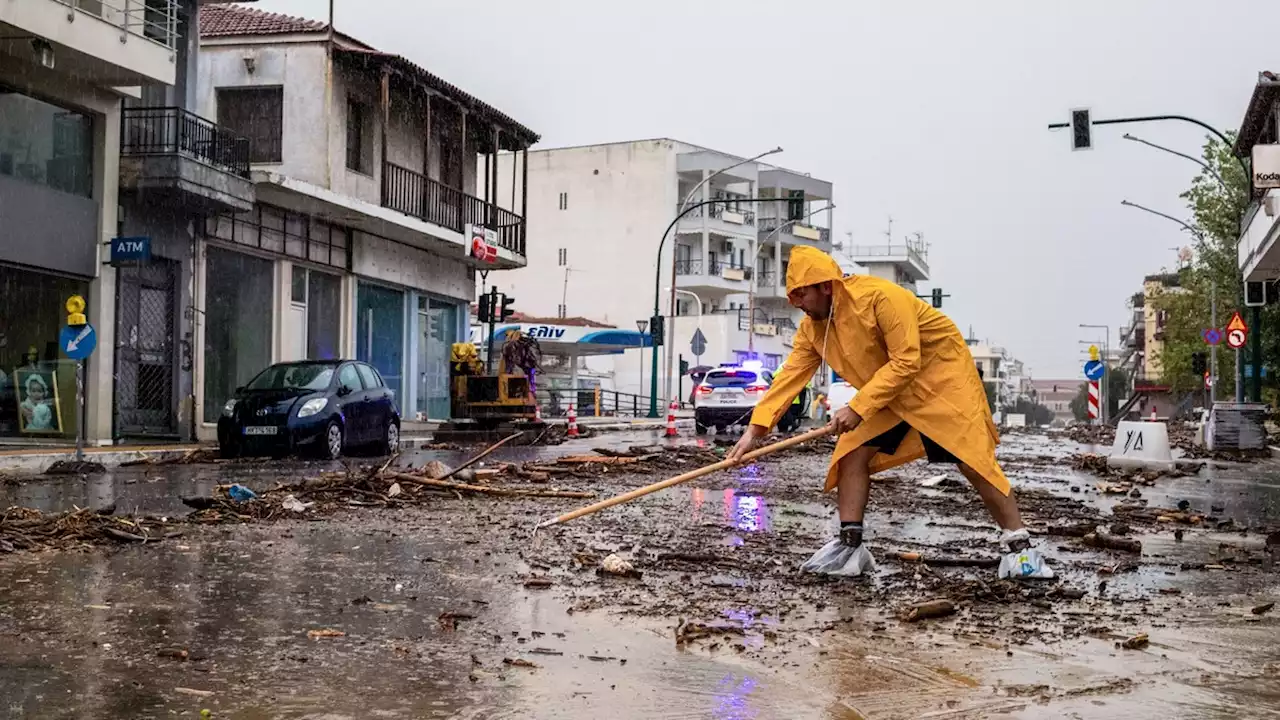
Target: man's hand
(750, 440)
(844, 420)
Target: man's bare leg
(1003, 508)
(853, 484)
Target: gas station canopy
(571, 340)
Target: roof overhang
(1263, 101)
(570, 339)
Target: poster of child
(38, 408)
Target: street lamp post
(683, 205)
(751, 287)
(656, 320)
(1213, 302)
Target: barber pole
(671, 420)
(573, 422)
(1094, 391)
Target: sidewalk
(34, 460)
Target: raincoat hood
(810, 266)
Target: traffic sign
(1237, 331)
(1094, 370)
(1212, 336)
(78, 341)
(698, 345)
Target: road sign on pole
(698, 345)
(1094, 369)
(1212, 336)
(1237, 332)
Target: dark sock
(851, 533)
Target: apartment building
(365, 193)
(65, 70)
(1057, 396)
(601, 212)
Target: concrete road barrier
(1141, 445)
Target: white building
(999, 367)
(601, 211)
(64, 70)
(363, 166)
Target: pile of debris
(1091, 434)
(27, 529)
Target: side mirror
(343, 391)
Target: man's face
(814, 300)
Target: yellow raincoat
(908, 361)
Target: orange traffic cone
(573, 422)
(671, 420)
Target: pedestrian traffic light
(506, 311)
(1081, 130)
(1198, 363)
(486, 310)
(937, 297)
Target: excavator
(487, 402)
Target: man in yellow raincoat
(919, 395)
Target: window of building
(562, 257)
(319, 296)
(238, 316)
(359, 137)
(564, 201)
(380, 331)
(45, 144)
(258, 114)
(287, 233)
(437, 332)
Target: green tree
(1080, 403)
(1216, 209)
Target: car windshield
(731, 378)
(308, 376)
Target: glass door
(437, 332)
(380, 333)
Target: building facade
(601, 212)
(65, 71)
(366, 187)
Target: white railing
(154, 20)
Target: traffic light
(937, 297)
(684, 366)
(657, 329)
(506, 311)
(1081, 130)
(1198, 365)
(486, 310)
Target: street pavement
(427, 611)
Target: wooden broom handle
(691, 475)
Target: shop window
(238, 313)
(258, 114)
(45, 144)
(437, 332)
(37, 384)
(324, 316)
(380, 322)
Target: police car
(728, 394)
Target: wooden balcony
(417, 195)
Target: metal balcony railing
(856, 251)
(155, 20)
(175, 131)
(769, 224)
(718, 210)
(415, 194)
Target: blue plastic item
(240, 493)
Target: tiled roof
(225, 20)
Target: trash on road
(615, 565)
(325, 633)
(1263, 609)
(293, 504)
(240, 493)
(939, 608)
(1137, 642)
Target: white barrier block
(1141, 445)
(1015, 420)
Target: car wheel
(392, 436)
(719, 429)
(332, 442)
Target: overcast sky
(932, 112)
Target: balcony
(770, 285)
(712, 278)
(181, 157)
(795, 233)
(417, 195)
(117, 43)
(729, 221)
(909, 259)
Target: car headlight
(229, 408)
(311, 407)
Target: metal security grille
(145, 313)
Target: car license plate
(730, 400)
(261, 430)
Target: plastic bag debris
(836, 558)
(293, 504)
(394, 490)
(1028, 563)
(240, 493)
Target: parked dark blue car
(318, 407)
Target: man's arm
(795, 373)
(896, 317)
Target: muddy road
(452, 607)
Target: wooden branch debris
(488, 489)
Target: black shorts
(888, 441)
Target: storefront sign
(130, 250)
(1266, 166)
(482, 243)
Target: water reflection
(748, 513)
(733, 698)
